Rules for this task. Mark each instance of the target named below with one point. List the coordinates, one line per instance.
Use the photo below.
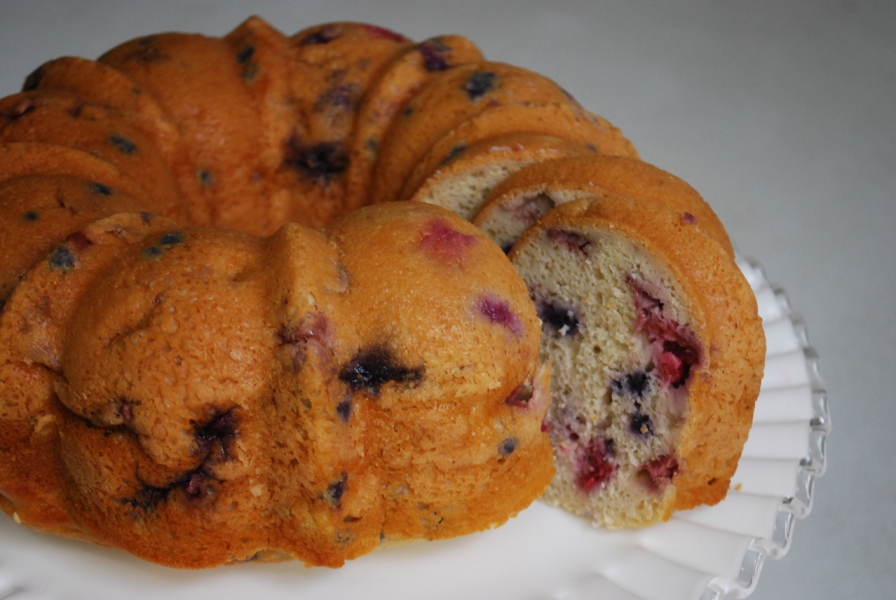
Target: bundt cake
(214, 349)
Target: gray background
(782, 114)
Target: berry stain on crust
(335, 491)
(506, 447)
(164, 244)
(374, 367)
(315, 328)
(215, 438)
(99, 188)
(342, 96)
(444, 243)
(244, 55)
(498, 311)
(123, 144)
(434, 53)
(62, 259)
(195, 485)
(321, 162)
(344, 409)
(479, 84)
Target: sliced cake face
(622, 349)
(525, 196)
(460, 179)
(505, 217)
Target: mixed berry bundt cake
(190, 372)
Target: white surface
(708, 553)
(780, 113)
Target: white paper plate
(709, 553)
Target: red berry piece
(660, 471)
(571, 240)
(596, 465)
(498, 311)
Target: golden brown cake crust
(314, 392)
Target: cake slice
(521, 199)
(656, 354)
(460, 179)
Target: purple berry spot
(99, 188)
(688, 219)
(479, 84)
(506, 447)
(123, 144)
(125, 410)
(205, 177)
(575, 242)
(315, 328)
(434, 55)
(322, 161)
(62, 259)
(245, 55)
(596, 465)
(30, 216)
(660, 471)
(342, 96)
(215, 437)
(558, 317)
(443, 242)
(372, 368)
(336, 490)
(164, 244)
(498, 311)
(195, 485)
(344, 409)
